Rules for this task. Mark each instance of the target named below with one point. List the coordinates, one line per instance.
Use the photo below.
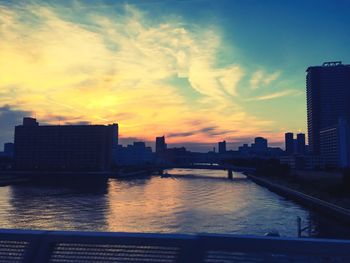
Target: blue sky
(196, 71)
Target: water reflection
(58, 205)
(189, 201)
(192, 201)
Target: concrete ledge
(76, 246)
(307, 200)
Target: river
(188, 201)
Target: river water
(188, 201)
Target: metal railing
(74, 247)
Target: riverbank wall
(317, 204)
(16, 177)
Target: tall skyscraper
(300, 143)
(222, 147)
(115, 128)
(328, 96)
(160, 145)
(289, 142)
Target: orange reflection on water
(167, 204)
(144, 201)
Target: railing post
(40, 250)
(230, 174)
(299, 225)
(309, 228)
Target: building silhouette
(222, 147)
(259, 149)
(335, 144)
(161, 149)
(64, 148)
(6, 156)
(9, 148)
(133, 154)
(178, 156)
(296, 156)
(244, 150)
(300, 143)
(160, 145)
(289, 142)
(328, 110)
(328, 95)
(260, 145)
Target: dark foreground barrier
(80, 247)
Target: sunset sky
(196, 71)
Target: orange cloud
(119, 69)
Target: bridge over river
(209, 166)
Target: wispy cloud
(261, 78)
(210, 130)
(276, 95)
(117, 66)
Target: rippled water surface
(189, 201)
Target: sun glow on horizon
(152, 76)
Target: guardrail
(73, 247)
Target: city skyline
(219, 147)
(184, 69)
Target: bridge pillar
(229, 174)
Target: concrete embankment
(304, 199)
(56, 178)
(6, 179)
(16, 177)
(127, 174)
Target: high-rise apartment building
(335, 144)
(64, 147)
(328, 96)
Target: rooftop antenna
(332, 63)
